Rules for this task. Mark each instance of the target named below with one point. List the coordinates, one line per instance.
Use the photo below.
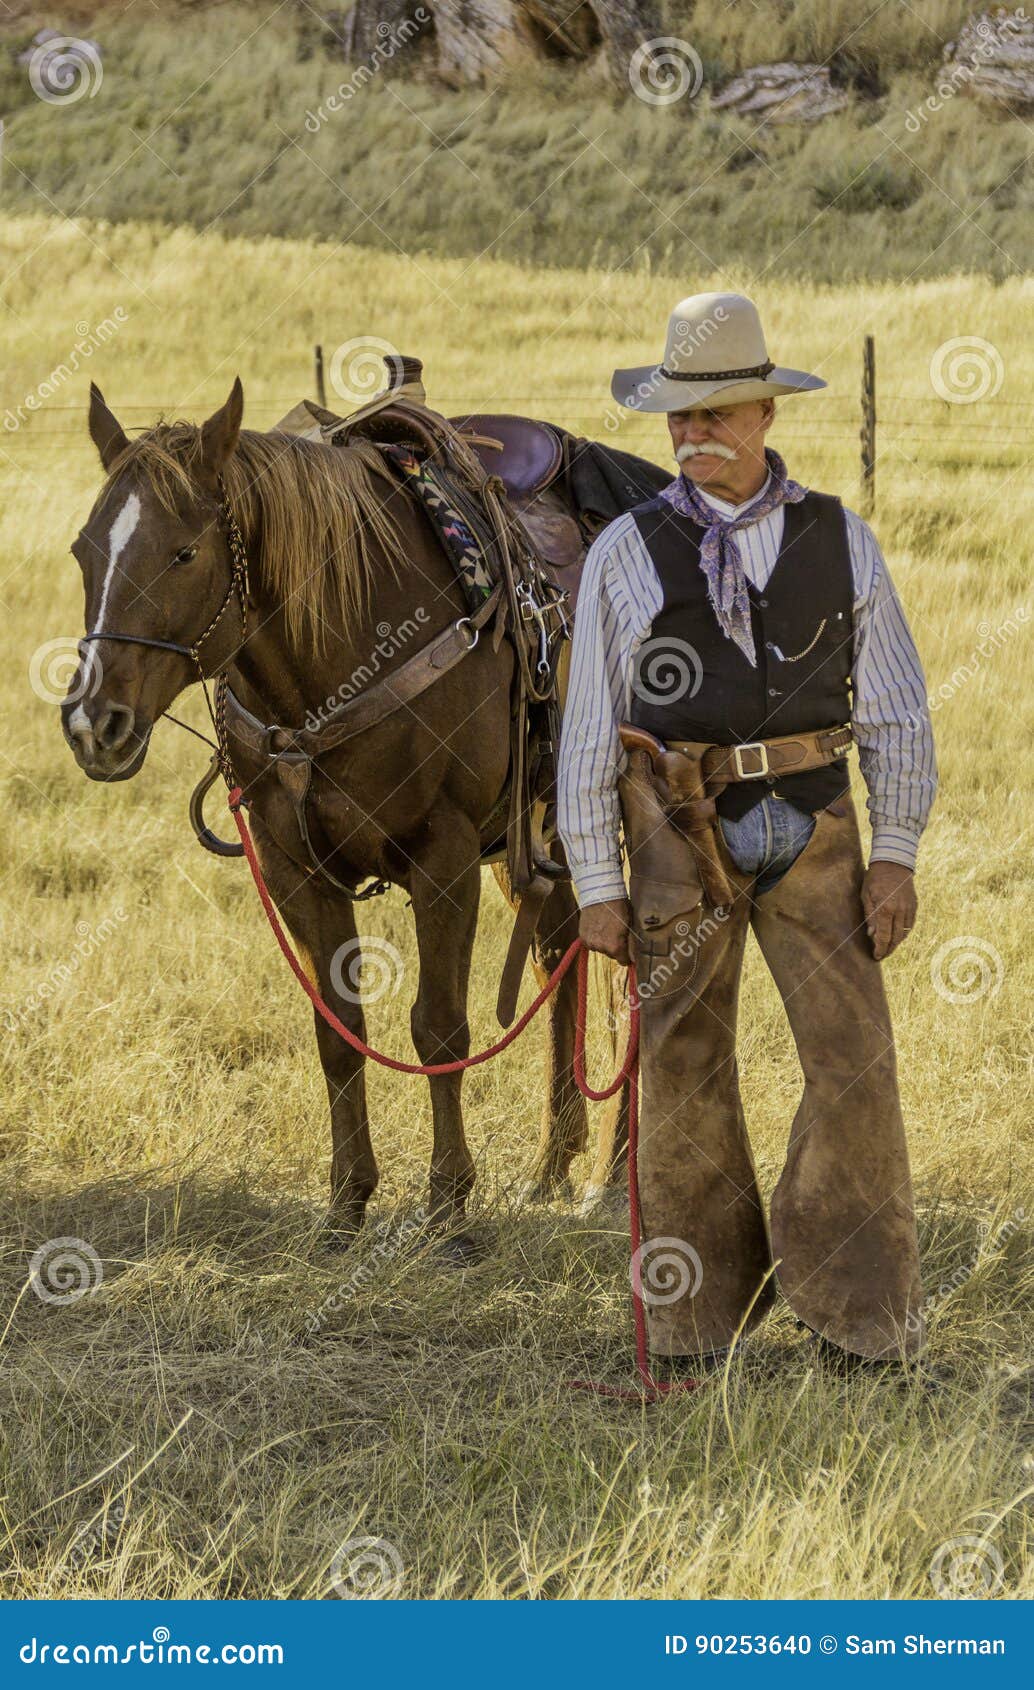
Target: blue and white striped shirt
(618, 599)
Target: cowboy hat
(715, 347)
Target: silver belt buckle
(761, 749)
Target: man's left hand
(890, 904)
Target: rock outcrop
(993, 60)
(784, 93)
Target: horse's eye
(186, 555)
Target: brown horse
(336, 553)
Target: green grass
(553, 167)
(233, 1402)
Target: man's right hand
(605, 928)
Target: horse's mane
(320, 510)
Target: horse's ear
(106, 431)
(220, 433)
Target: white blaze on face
(122, 530)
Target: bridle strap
(142, 639)
(237, 587)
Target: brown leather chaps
(843, 1238)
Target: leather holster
(678, 783)
(665, 887)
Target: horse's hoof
(548, 1189)
(337, 1235)
(604, 1202)
(461, 1250)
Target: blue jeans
(768, 839)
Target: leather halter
(237, 587)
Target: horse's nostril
(114, 727)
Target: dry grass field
(230, 1405)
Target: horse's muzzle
(109, 741)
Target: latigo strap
(689, 775)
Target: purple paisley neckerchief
(720, 555)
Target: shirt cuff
(598, 883)
(892, 843)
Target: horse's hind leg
(322, 925)
(608, 1182)
(565, 1130)
(445, 904)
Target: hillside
(201, 115)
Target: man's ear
(770, 411)
(219, 435)
(106, 431)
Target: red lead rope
(629, 1071)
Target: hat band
(717, 375)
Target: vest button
(769, 646)
(764, 604)
(773, 692)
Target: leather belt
(689, 775)
(758, 759)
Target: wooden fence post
(868, 500)
(321, 388)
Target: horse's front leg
(445, 886)
(322, 924)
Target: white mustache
(714, 448)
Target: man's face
(714, 444)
